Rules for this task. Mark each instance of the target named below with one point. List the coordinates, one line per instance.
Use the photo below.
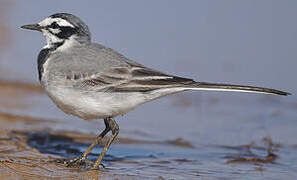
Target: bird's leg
(83, 158)
(115, 131)
(98, 139)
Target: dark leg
(83, 158)
(115, 131)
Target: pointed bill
(35, 27)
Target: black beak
(35, 27)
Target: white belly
(96, 105)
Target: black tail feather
(231, 87)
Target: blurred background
(240, 42)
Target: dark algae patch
(248, 153)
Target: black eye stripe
(66, 32)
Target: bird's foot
(79, 161)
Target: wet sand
(30, 153)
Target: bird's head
(62, 27)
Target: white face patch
(50, 38)
(61, 22)
(55, 31)
(50, 32)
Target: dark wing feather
(132, 79)
(145, 79)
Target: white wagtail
(92, 81)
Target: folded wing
(132, 78)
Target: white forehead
(59, 21)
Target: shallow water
(191, 135)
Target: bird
(92, 81)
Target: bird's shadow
(63, 146)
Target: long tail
(230, 87)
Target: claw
(97, 167)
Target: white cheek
(50, 38)
(55, 31)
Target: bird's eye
(54, 25)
